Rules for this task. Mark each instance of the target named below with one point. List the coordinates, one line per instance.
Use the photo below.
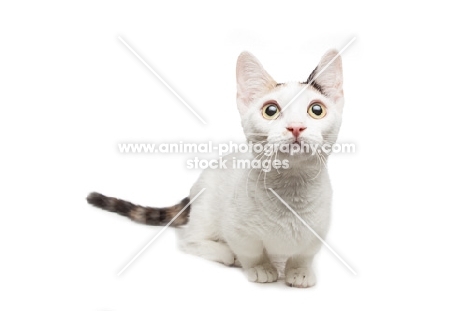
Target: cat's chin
(297, 156)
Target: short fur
(237, 220)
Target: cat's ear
(252, 80)
(327, 77)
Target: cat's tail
(145, 215)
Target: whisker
(248, 175)
(258, 178)
(264, 179)
(276, 154)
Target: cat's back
(221, 183)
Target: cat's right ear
(252, 81)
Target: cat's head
(290, 113)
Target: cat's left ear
(252, 81)
(327, 77)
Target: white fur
(237, 220)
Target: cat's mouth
(298, 141)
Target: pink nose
(296, 130)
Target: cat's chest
(293, 224)
(296, 221)
(288, 236)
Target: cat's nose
(296, 129)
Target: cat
(239, 219)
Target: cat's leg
(254, 260)
(298, 271)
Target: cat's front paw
(265, 273)
(300, 277)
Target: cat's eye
(270, 111)
(317, 110)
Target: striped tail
(145, 215)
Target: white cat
(238, 219)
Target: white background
(70, 91)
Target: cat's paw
(229, 259)
(300, 277)
(237, 263)
(265, 273)
(226, 257)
